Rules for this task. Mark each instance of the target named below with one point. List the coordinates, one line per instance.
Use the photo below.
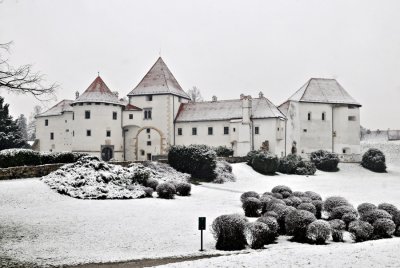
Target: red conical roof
(98, 91)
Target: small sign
(202, 223)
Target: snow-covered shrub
(250, 155)
(396, 219)
(60, 157)
(183, 188)
(271, 214)
(274, 202)
(324, 160)
(361, 230)
(305, 168)
(197, 160)
(339, 212)
(163, 172)
(349, 217)
(313, 195)
(305, 199)
(228, 230)
(256, 234)
(296, 201)
(308, 207)
(384, 228)
(152, 183)
(337, 228)
(299, 194)
(223, 151)
(372, 215)
(265, 199)
(374, 160)
(288, 164)
(149, 191)
(265, 163)
(166, 190)
(318, 204)
(297, 222)
(288, 202)
(389, 208)
(281, 188)
(273, 226)
(223, 172)
(318, 232)
(251, 207)
(248, 194)
(19, 157)
(277, 195)
(335, 201)
(282, 212)
(365, 207)
(286, 194)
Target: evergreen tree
(10, 135)
(22, 125)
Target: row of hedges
(305, 217)
(26, 157)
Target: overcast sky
(225, 48)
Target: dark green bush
(277, 195)
(325, 160)
(305, 199)
(166, 190)
(361, 230)
(152, 183)
(228, 230)
(183, 188)
(297, 222)
(337, 228)
(305, 168)
(223, 151)
(313, 195)
(365, 207)
(299, 194)
(280, 189)
(318, 232)
(149, 191)
(318, 204)
(389, 208)
(251, 207)
(384, 228)
(197, 160)
(372, 215)
(273, 226)
(335, 201)
(248, 194)
(348, 218)
(265, 163)
(308, 207)
(374, 160)
(288, 164)
(339, 212)
(256, 234)
(250, 155)
(282, 212)
(296, 201)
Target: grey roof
(323, 90)
(158, 80)
(225, 110)
(98, 92)
(58, 109)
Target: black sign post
(202, 226)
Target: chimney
(261, 95)
(214, 98)
(246, 109)
(116, 93)
(76, 95)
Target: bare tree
(195, 95)
(31, 129)
(22, 80)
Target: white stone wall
(60, 125)
(347, 133)
(268, 131)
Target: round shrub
(305, 168)
(223, 151)
(318, 204)
(308, 207)
(296, 223)
(183, 188)
(251, 207)
(228, 230)
(389, 208)
(248, 194)
(339, 212)
(19, 157)
(372, 215)
(249, 157)
(282, 212)
(288, 202)
(313, 195)
(365, 207)
(166, 190)
(149, 191)
(273, 226)
(333, 202)
(271, 214)
(267, 194)
(286, 194)
(265, 200)
(281, 188)
(318, 231)
(299, 194)
(296, 201)
(265, 163)
(337, 228)
(305, 199)
(256, 234)
(361, 230)
(349, 217)
(271, 205)
(324, 160)
(288, 164)
(374, 160)
(152, 183)
(277, 195)
(384, 228)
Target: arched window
(309, 116)
(323, 116)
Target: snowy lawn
(41, 226)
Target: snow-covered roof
(98, 92)
(158, 80)
(58, 109)
(130, 107)
(323, 90)
(225, 110)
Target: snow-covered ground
(41, 226)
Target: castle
(159, 113)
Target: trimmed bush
(384, 228)
(265, 199)
(256, 234)
(306, 168)
(197, 160)
(251, 207)
(349, 217)
(248, 194)
(361, 230)
(389, 208)
(277, 195)
(289, 163)
(299, 194)
(335, 201)
(273, 203)
(273, 226)
(149, 191)
(313, 195)
(281, 188)
(166, 190)
(271, 214)
(339, 212)
(324, 160)
(228, 230)
(265, 163)
(308, 207)
(296, 201)
(296, 224)
(152, 183)
(318, 232)
(183, 188)
(282, 212)
(318, 204)
(365, 207)
(286, 194)
(305, 199)
(373, 215)
(223, 172)
(250, 155)
(374, 160)
(288, 202)
(223, 151)
(337, 228)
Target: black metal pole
(201, 248)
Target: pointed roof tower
(98, 92)
(159, 80)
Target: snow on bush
(318, 204)
(281, 188)
(361, 230)
(228, 230)
(306, 168)
(223, 151)
(289, 163)
(337, 228)
(308, 207)
(265, 163)
(250, 155)
(348, 218)
(374, 160)
(365, 207)
(166, 190)
(333, 202)
(248, 194)
(299, 194)
(251, 207)
(389, 208)
(273, 226)
(282, 212)
(183, 188)
(223, 171)
(163, 172)
(324, 160)
(296, 201)
(297, 222)
(384, 228)
(256, 234)
(313, 195)
(339, 212)
(318, 232)
(372, 215)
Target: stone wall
(27, 171)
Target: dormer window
(149, 97)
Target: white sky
(225, 48)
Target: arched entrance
(107, 153)
(149, 142)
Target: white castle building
(158, 114)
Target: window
(234, 129)
(97, 103)
(149, 156)
(323, 116)
(88, 133)
(89, 103)
(148, 143)
(87, 114)
(66, 121)
(210, 130)
(226, 130)
(304, 130)
(309, 116)
(149, 97)
(179, 132)
(73, 133)
(194, 131)
(51, 136)
(179, 99)
(130, 116)
(108, 133)
(257, 130)
(67, 130)
(73, 116)
(114, 115)
(141, 152)
(147, 113)
(147, 130)
(46, 122)
(81, 104)
(107, 104)
(352, 118)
